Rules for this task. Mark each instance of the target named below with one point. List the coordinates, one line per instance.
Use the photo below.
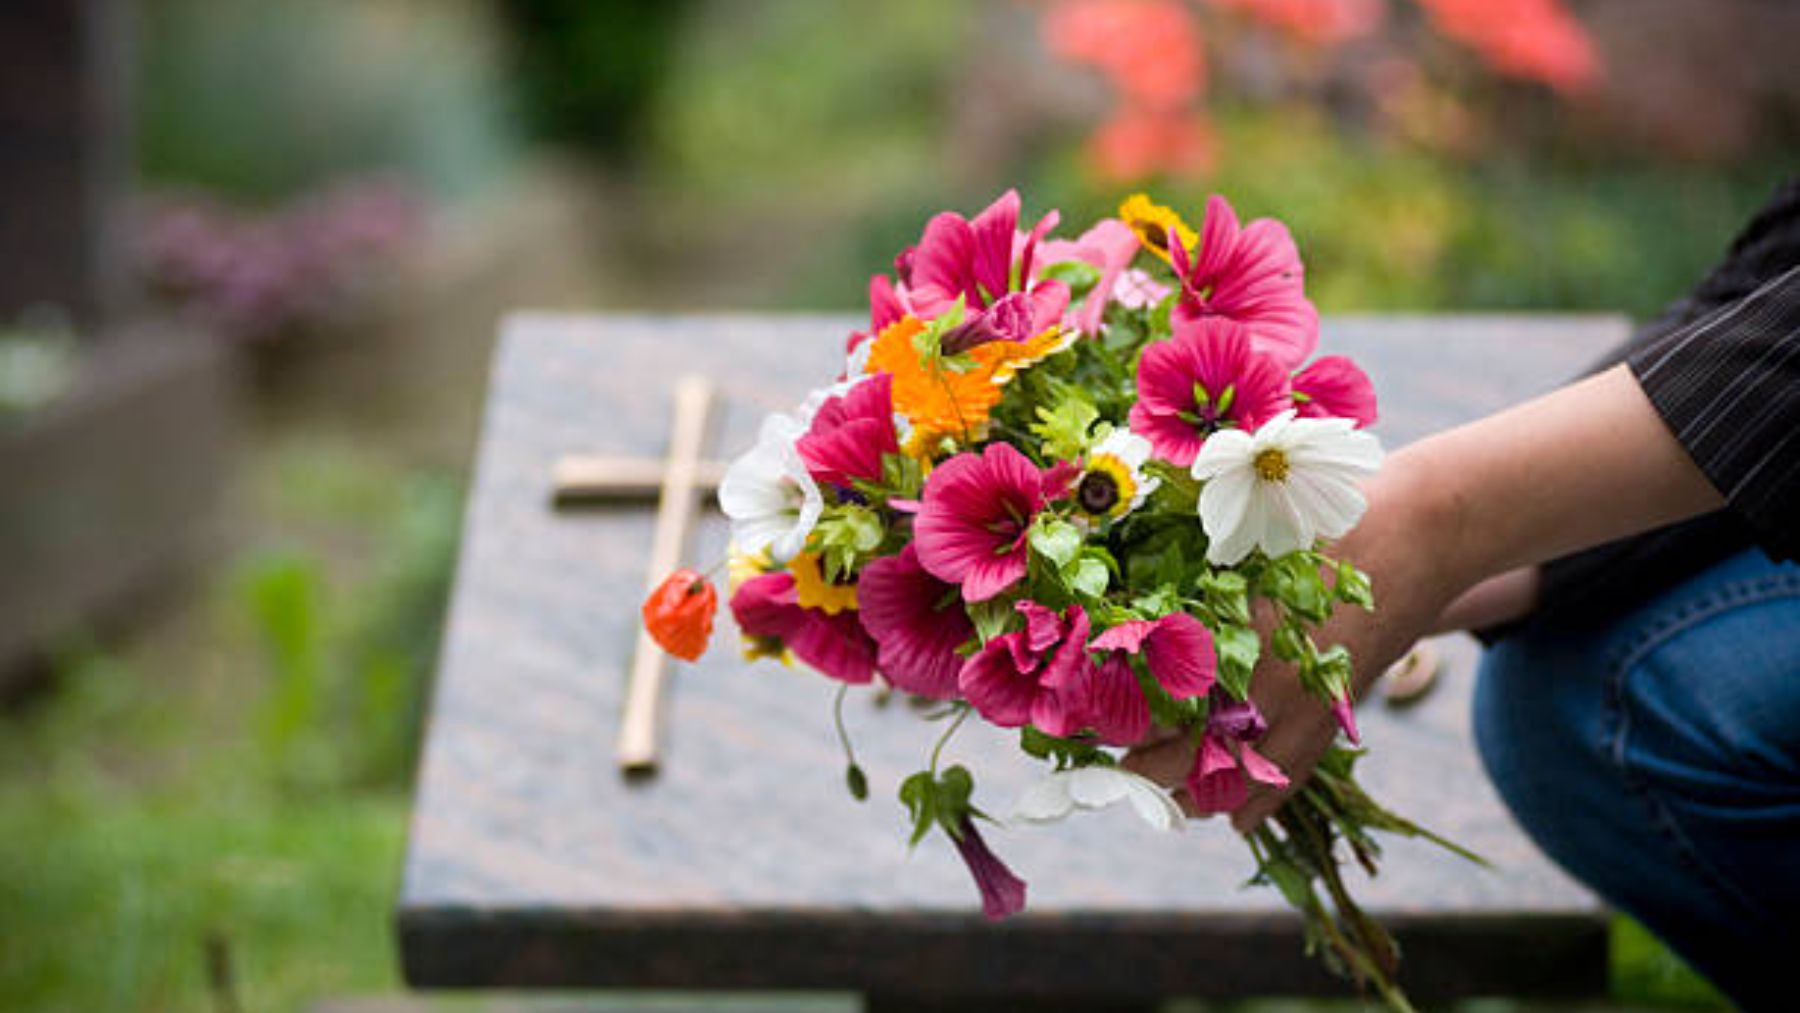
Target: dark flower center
(1097, 493)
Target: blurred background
(253, 252)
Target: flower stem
(837, 718)
(944, 739)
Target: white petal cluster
(1290, 483)
(1062, 792)
(772, 502)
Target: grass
(219, 804)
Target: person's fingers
(1261, 805)
(1167, 763)
(1159, 734)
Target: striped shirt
(1722, 367)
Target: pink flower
(768, 607)
(1002, 893)
(1112, 703)
(850, 433)
(917, 621)
(1178, 650)
(1037, 675)
(1253, 275)
(1217, 782)
(1110, 246)
(1208, 375)
(1335, 387)
(970, 259)
(976, 513)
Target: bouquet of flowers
(1077, 488)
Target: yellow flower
(1152, 223)
(815, 592)
(942, 400)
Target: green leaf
(1238, 648)
(1056, 540)
(919, 793)
(1079, 275)
(1227, 595)
(1089, 577)
(848, 536)
(1064, 426)
(992, 617)
(1290, 643)
(1294, 581)
(1352, 586)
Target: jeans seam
(1628, 656)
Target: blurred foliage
(817, 102)
(160, 800)
(260, 99)
(348, 673)
(588, 71)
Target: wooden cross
(677, 481)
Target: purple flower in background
(260, 278)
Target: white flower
(772, 502)
(1113, 482)
(1062, 792)
(1291, 483)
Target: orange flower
(952, 398)
(679, 614)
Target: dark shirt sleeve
(1591, 587)
(1728, 386)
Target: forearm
(1585, 464)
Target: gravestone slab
(744, 864)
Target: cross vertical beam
(681, 488)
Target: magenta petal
(917, 640)
(1043, 627)
(994, 684)
(836, 645)
(1345, 713)
(1180, 654)
(1335, 387)
(885, 306)
(940, 266)
(851, 451)
(993, 231)
(1215, 783)
(1049, 300)
(1002, 893)
(989, 577)
(1071, 661)
(1261, 767)
(1127, 636)
(766, 605)
(1115, 707)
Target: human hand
(1400, 545)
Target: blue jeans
(1657, 759)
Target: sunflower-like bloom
(1153, 222)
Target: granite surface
(744, 864)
